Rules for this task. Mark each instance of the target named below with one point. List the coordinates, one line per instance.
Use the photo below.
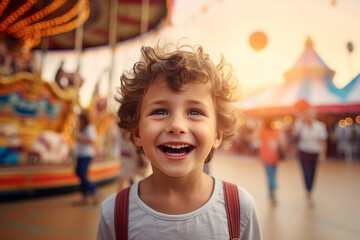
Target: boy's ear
(218, 139)
(136, 136)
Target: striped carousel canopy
(29, 21)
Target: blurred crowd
(343, 136)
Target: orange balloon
(258, 40)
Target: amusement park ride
(37, 117)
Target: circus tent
(308, 82)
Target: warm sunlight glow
(224, 27)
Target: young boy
(178, 106)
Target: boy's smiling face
(177, 130)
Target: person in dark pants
(308, 163)
(312, 145)
(85, 152)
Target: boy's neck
(176, 195)
(163, 183)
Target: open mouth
(176, 150)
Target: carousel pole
(78, 51)
(114, 7)
(78, 47)
(144, 16)
(44, 48)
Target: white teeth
(178, 146)
(176, 154)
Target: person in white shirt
(85, 140)
(312, 146)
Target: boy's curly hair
(178, 67)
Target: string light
(36, 16)
(348, 121)
(342, 123)
(49, 23)
(288, 119)
(15, 15)
(3, 6)
(31, 34)
(31, 40)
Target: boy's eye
(159, 112)
(195, 112)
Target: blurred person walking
(312, 145)
(85, 141)
(134, 164)
(272, 144)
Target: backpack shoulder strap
(121, 210)
(232, 203)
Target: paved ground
(335, 216)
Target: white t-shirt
(86, 149)
(310, 137)
(207, 222)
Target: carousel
(38, 118)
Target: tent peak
(309, 42)
(308, 64)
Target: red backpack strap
(121, 211)
(232, 203)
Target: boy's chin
(180, 173)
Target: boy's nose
(176, 125)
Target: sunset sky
(224, 27)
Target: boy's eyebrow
(163, 102)
(198, 102)
(157, 102)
